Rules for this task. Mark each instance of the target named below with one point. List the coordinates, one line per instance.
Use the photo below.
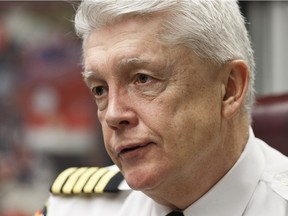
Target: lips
(131, 149)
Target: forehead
(129, 41)
(133, 42)
(129, 27)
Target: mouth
(132, 150)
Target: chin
(142, 179)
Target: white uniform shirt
(256, 185)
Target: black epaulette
(87, 180)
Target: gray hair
(212, 29)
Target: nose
(120, 112)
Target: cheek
(188, 121)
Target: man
(173, 83)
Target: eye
(98, 90)
(143, 78)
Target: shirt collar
(231, 194)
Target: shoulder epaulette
(280, 184)
(87, 180)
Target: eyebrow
(131, 63)
(123, 64)
(135, 62)
(89, 76)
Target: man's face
(159, 106)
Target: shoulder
(271, 192)
(87, 191)
(276, 171)
(278, 184)
(269, 198)
(87, 180)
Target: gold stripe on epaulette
(69, 184)
(87, 180)
(88, 188)
(103, 182)
(83, 179)
(61, 179)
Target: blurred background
(47, 115)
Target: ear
(234, 88)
